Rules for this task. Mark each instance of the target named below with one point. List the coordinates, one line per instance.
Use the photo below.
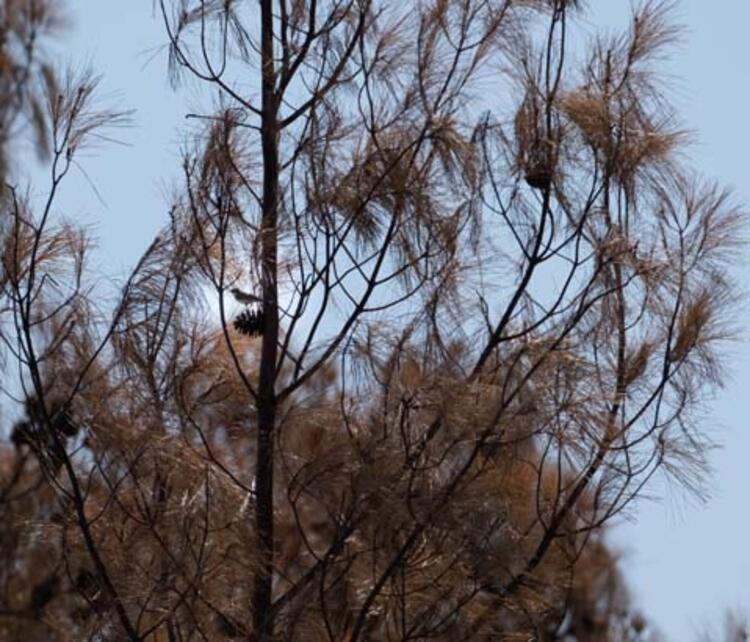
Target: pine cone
(249, 322)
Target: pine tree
(487, 303)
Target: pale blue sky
(685, 562)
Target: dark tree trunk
(266, 402)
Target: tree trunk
(266, 402)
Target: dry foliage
(433, 305)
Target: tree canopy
(437, 297)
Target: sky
(685, 562)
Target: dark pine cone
(249, 322)
(539, 177)
(63, 422)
